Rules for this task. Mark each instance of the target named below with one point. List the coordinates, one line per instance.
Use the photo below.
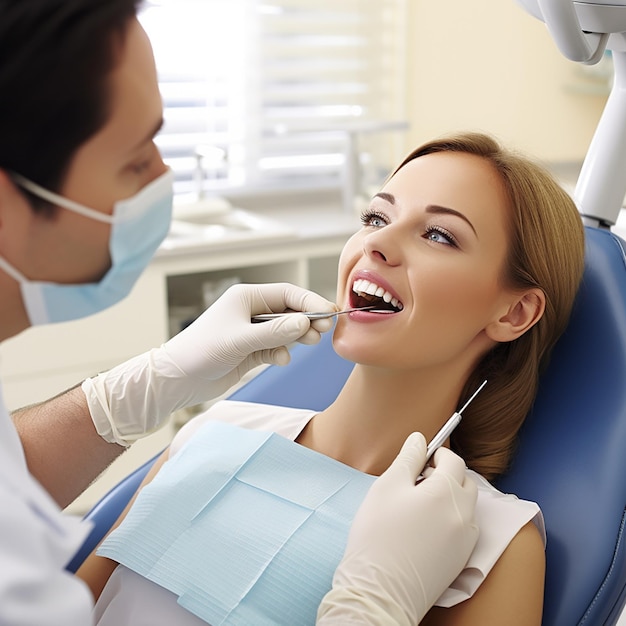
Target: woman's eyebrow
(431, 208)
(385, 196)
(437, 209)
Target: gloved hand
(407, 543)
(204, 360)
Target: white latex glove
(204, 360)
(407, 543)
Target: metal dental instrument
(446, 430)
(264, 317)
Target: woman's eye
(437, 234)
(374, 218)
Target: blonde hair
(546, 250)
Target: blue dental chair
(572, 453)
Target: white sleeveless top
(128, 598)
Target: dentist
(85, 201)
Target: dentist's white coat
(36, 542)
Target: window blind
(258, 95)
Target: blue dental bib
(244, 526)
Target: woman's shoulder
(519, 511)
(504, 520)
(511, 593)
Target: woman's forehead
(459, 180)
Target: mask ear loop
(31, 298)
(11, 271)
(58, 200)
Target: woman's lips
(369, 288)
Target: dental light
(583, 31)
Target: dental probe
(264, 317)
(446, 430)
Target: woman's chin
(356, 349)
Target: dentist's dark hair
(546, 251)
(56, 57)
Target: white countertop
(286, 225)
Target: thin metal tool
(264, 317)
(446, 430)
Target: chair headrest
(572, 453)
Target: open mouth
(367, 293)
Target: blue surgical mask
(138, 226)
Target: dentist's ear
(523, 313)
(15, 213)
(5, 189)
(6, 194)
(9, 193)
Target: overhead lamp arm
(563, 24)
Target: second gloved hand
(204, 360)
(407, 543)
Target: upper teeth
(365, 286)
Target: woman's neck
(375, 412)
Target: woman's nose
(383, 245)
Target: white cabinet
(44, 361)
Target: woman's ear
(523, 313)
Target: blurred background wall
(488, 65)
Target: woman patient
(478, 253)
